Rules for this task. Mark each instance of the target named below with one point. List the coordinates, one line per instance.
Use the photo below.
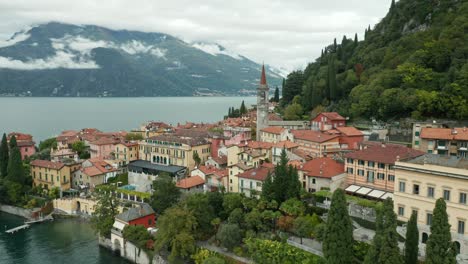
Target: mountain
(413, 63)
(57, 59)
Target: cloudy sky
(282, 33)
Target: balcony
(442, 147)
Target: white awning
(376, 194)
(118, 225)
(352, 188)
(385, 196)
(364, 191)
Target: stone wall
(132, 253)
(75, 205)
(26, 213)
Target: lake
(60, 241)
(47, 117)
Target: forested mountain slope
(413, 63)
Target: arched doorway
(117, 247)
(78, 207)
(154, 159)
(425, 236)
(457, 247)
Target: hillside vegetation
(411, 64)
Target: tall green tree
(332, 85)
(293, 86)
(412, 240)
(105, 211)
(200, 207)
(338, 240)
(4, 156)
(276, 97)
(15, 171)
(229, 235)
(355, 39)
(389, 252)
(243, 109)
(439, 245)
(165, 193)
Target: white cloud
(18, 37)
(281, 33)
(60, 60)
(215, 50)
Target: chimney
(454, 131)
(383, 144)
(398, 158)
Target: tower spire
(263, 77)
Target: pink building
(236, 135)
(328, 120)
(25, 143)
(103, 148)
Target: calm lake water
(61, 241)
(47, 117)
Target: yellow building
(50, 174)
(174, 150)
(126, 151)
(419, 182)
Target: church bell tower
(262, 104)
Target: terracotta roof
(20, 136)
(47, 164)
(242, 166)
(273, 130)
(268, 165)
(323, 167)
(350, 131)
(253, 152)
(98, 167)
(332, 115)
(274, 117)
(105, 141)
(221, 160)
(263, 76)
(128, 143)
(303, 154)
(286, 144)
(295, 163)
(207, 170)
(68, 135)
(313, 136)
(259, 145)
(384, 153)
(190, 182)
(259, 174)
(457, 133)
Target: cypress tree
(293, 184)
(338, 238)
(3, 156)
(372, 255)
(355, 39)
(15, 164)
(439, 244)
(392, 6)
(332, 86)
(334, 45)
(412, 240)
(283, 87)
(243, 109)
(276, 97)
(268, 189)
(229, 112)
(389, 251)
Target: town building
(25, 144)
(316, 143)
(192, 184)
(373, 167)
(93, 172)
(262, 103)
(424, 179)
(50, 174)
(327, 120)
(219, 162)
(442, 141)
(67, 138)
(289, 124)
(63, 155)
(250, 182)
(142, 174)
(174, 150)
(215, 178)
(152, 129)
(126, 151)
(322, 173)
(289, 147)
(236, 134)
(274, 134)
(350, 137)
(103, 147)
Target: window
(381, 165)
(415, 188)
(462, 199)
(430, 192)
(401, 211)
(370, 164)
(251, 185)
(150, 221)
(416, 133)
(361, 162)
(349, 160)
(380, 176)
(242, 183)
(391, 177)
(416, 142)
(429, 219)
(402, 186)
(447, 195)
(461, 227)
(370, 176)
(259, 184)
(350, 170)
(360, 172)
(429, 151)
(313, 180)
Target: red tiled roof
(190, 182)
(47, 164)
(332, 116)
(273, 130)
(129, 143)
(457, 133)
(213, 170)
(20, 136)
(313, 136)
(105, 141)
(98, 167)
(274, 117)
(323, 167)
(286, 144)
(350, 131)
(295, 163)
(303, 154)
(68, 135)
(263, 76)
(259, 145)
(221, 160)
(384, 153)
(259, 174)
